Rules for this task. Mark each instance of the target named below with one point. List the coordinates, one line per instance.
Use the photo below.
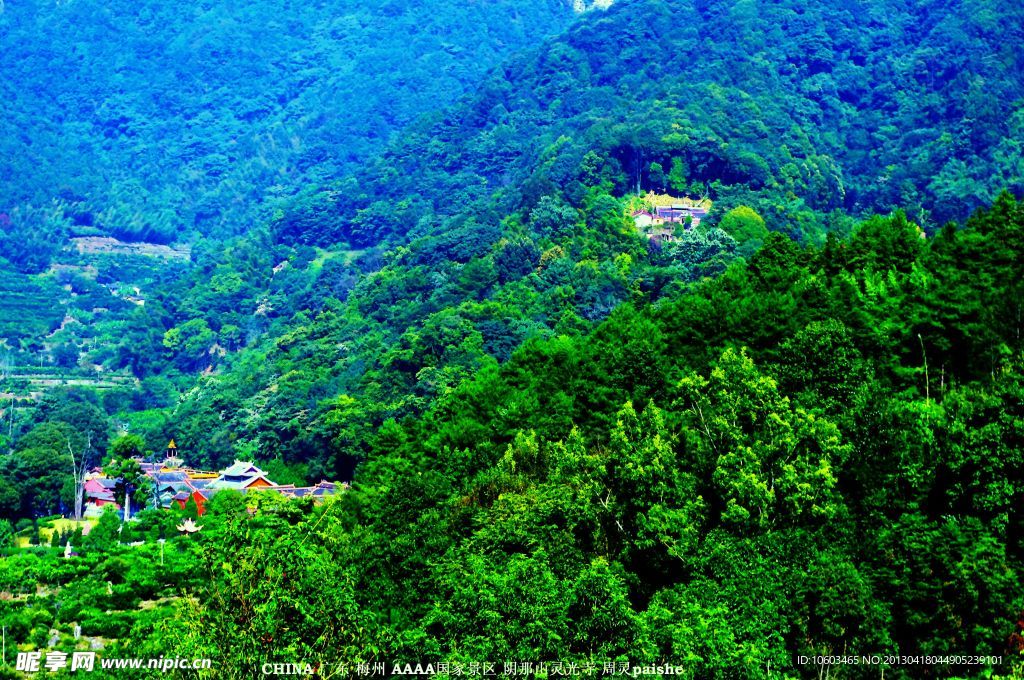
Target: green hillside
(158, 122)
(689, 335)
(29, 307)
(505, 219)
(796, 108)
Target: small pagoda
(172, 461)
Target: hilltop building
(679, 214)
(662, 215)
(242, 476)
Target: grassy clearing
(47, 527)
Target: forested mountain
(818, 452)
(796, 107)
(509, 207)
(789, 427)
(152, 121)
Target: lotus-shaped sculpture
(189, 526)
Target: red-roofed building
(200, 497)
(99, 491)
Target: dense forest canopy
(154, 121)
(797, 107)
(404, 246)
(818, 451)
(509, 208)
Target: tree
(551, 218)
(658, 507)
(132, 485)
(268, 602)
(107, 531)
(39, 469)
(768, 463)
(744, 225)
(128, 445)
(10, 498)
(65, 355)
(701, 253)
(656, 174)
(6, 534)
(190, 343)
(79, 468)
(822, 368)
(603, 622)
